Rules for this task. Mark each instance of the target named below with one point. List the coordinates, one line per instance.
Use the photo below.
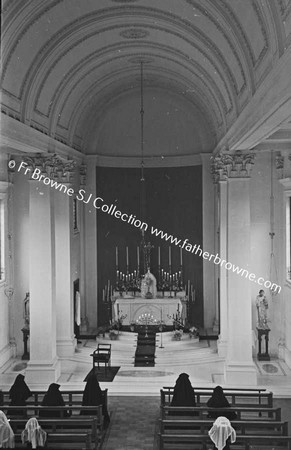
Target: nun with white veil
(6, 432)
(33, 434)
(221, 433)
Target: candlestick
(181, 258)
(116, 256)
(159, 255)
(137, 255)
(170, 256)
(127, 256)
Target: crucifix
(146, 250)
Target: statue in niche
(149, 286)
(26, 312)
(262, 309)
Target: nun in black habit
(19, 393)
(184, 394)
(53, 397)
(219, 401)
(93, 396)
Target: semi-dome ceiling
(69, 64)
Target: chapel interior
(120, 116)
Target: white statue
(149, 286)
(262, 307)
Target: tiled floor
(134, 423)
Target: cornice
(149, 162)
(52, 167)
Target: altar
(163, 308)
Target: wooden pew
(243, 413)
(83, 424)
(256, 427)
(237, 397)
(71, 398)
(59, 441)
(203, 442)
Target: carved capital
(279, 162)
(232, 165)
(83, 174)
(52, 167)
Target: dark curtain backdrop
(173, 204)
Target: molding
(149, 162)
(21, 138)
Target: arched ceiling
(68, 64)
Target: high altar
(161, 308)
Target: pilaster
(232, 172)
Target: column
(63, 216)
(239, 367)
(90, 214)
(208, 205)
(84, 318)
(43, 366)
(223, 294)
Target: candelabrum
(170, 282)
(129, 282)
(146, 319)
(177, 320)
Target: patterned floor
(134, 423)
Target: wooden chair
(102, 355)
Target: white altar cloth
(161, 308)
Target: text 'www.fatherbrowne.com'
(197, 250)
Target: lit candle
(127, 256)
(170, 255)
(116, 256)
(159, 255)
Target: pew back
(243, 413)
(237, 397)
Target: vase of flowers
(178, 335)
(113, 334)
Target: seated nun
(222, 433)
(219, 401)
(6, 432)
(18, 394)
(33, 434)
(53, 397)
(93, 396)
(183, 394)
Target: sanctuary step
(207, 334)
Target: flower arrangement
(113, 334)
(193, 332)
(178, 335)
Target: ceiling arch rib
(84, 119)
(48, 60)
(77, 82)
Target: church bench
(243, 412)
(83, 424)
(71, 398)
(203, 441)
(33, 411)
(236, 397)
(183, 426)
(59, 441)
